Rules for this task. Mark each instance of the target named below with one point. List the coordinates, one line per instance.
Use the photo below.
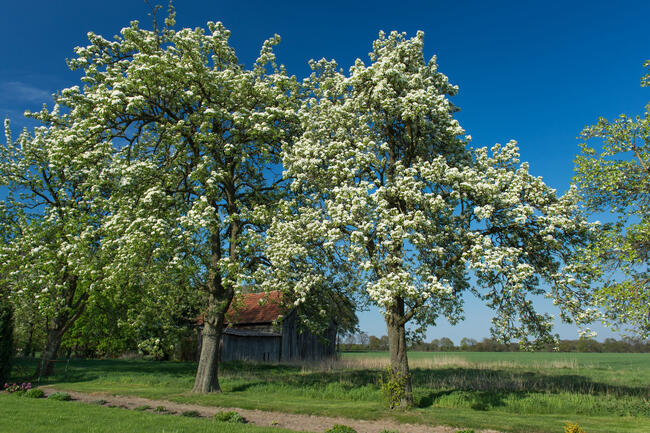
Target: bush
(467, 430)
(143, 407)
(6, 338)
(573, 428)
(60, 396)
(34, 393)
(231, 417)
(191, 413)
(160, 409)
(340, 428)
(392, 387)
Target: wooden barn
(252, 334)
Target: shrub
(143, 407)
(60, 396)
(573, 428)
(340, 428)
(467, 430)
(160, 409)
(392, 387)
(231, 417)
(18, 389)
(479, 405)
(191, 413)
(34, 393)
(6, 338)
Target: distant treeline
(363, 342)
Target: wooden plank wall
(250, 348)
(305, 346)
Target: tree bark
(207, 374)
(52, 344)
(395, 322)
(220, 297)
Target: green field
(26, 415)
(518, 392)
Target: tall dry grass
(436, 362)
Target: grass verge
(22, 415)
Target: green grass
(518, 392)
(21, 415)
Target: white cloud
(19, 91)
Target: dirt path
(290, 421)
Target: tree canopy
(613, 178)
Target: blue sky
(536, 72)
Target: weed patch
(229, 417)
(340, 428)
(60, 396)
(34, 393)
(573, 428)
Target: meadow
(514, 392)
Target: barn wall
(250, 348)
(305, 346)
(289, 338)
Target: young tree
(392, 192)
(51, 262)
(196, 139)
(615, 179)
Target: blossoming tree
(51, 262)
(407, 212)
(616, 178)
(194, 137)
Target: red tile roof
(252, 312)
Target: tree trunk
(52, 344)
(28, 345)
(399, 365)
(219, 299)
(64, 319)
(207, 374)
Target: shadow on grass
(480, 400)
(84, 370)
(514, 381)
